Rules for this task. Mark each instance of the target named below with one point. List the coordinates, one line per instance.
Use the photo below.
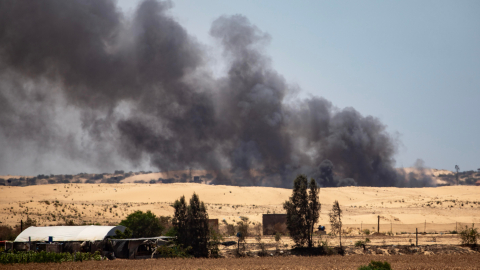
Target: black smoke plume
(85, 86)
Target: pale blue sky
(413, 64)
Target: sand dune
(110, 203)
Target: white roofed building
(67, 233)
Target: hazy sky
(413, 64)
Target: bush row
(44, 257)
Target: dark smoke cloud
(83, 82)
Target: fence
(425, 227)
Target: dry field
(326, 262)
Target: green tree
(214, 243)
(123, 235)
(242, 228)
(9, 233)
(313, 209)
(197, 224)
(143, 224)
(303, 211)
(191, 225)
(336, 220)
(180, 221)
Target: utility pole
(416, 237)
(378, 227)
(457, 169)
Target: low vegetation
(469, 236)
(376, 265)
(46, 257)
(362, 243)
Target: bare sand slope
(110, 203)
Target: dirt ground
(286, 243)
(324, 262)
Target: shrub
(278, 236)
(326, 249)
(361, 243)
(230, 229)
(175, 251)
(366, 231)
(376, 265)
(263, 249)
(469, 236)
(213, 244)
(242, 227)
(45, 257)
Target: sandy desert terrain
(400, 209)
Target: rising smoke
(82, 82)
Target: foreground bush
(45, 257)
(376, 265)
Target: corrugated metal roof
(68, 233)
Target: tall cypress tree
(336, 220)
(197, 224)
(191, 224)
(302, 211)
(179, 221)
(314, 207)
